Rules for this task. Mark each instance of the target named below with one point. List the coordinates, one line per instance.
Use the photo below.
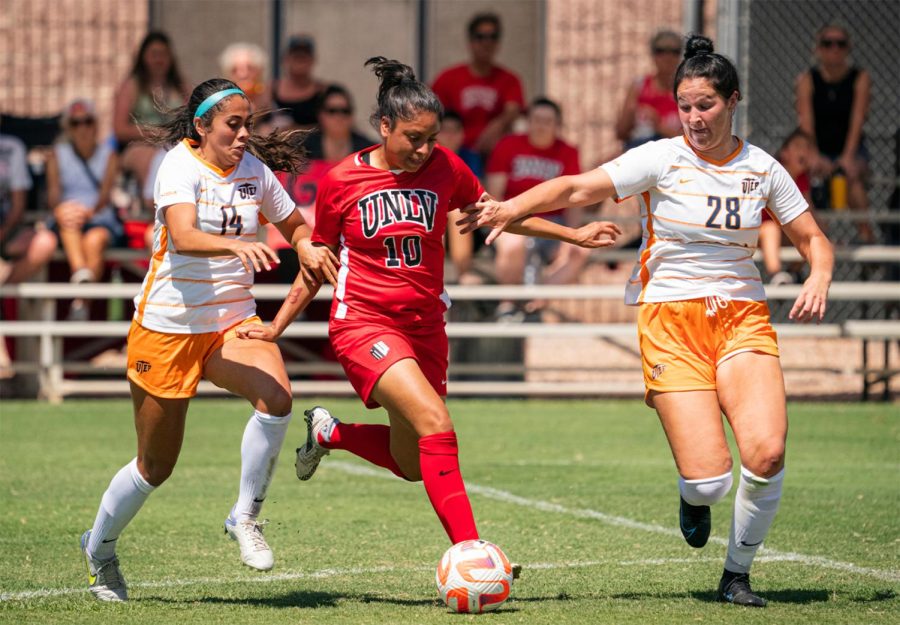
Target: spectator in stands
(80, 176)
(832, 100)
(649, 111)
(461, 247)
(518, 163)
(794, 155)
(247, 65)
(298, 91)
(487, 96)
(25, 249)
(153, 86)
(334, 140)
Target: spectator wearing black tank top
(832, 104)
(298, 91)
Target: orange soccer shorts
(171, 365)
(681, 346)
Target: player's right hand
(256, 331)
(255, 255)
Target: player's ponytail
(400, 94)
(280, 150)
(701, 61)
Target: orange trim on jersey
(651, 240)
(719, 171)
(237, 180)
(192, 145)
(714, 161)
(201, 281)
(772, 215)
(155, 263)
(727, 277)
(216, 303)
(688, 223)
(765, 198)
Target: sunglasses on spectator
(337, 110)
(834, 43)
(486, 37)
(675, 51)
(85, 121)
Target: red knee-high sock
(369, 442)
(439, 462)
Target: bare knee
(434, 419)
(276, 402)
(767, 459)
(155, 470)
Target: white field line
(585, 513)
(765, 555)
(339, 572)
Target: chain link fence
(777, 45)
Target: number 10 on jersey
(410, 247)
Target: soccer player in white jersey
(707, 344)
(210, 191)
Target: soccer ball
(474, 576)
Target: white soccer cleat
(255, 551)
(318, 421)
(105, 578)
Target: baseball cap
(301, 43)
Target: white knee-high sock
(755, 505)
(125, 495)
(260, 447)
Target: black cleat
(735, 588)
(516, 570)
(695, 523)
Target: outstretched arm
(298, 298)
(593, 235)
(584, 189)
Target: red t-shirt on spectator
(477, 99)
(527, 166)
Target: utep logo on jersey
(246, 190)
(383, 208)
(748, 185)
(142, 366)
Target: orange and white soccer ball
(474, 576)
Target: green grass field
(583, 494)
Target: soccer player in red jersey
(384, 211)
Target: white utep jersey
(189, 294)
(701, 218)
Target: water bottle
(838, 190)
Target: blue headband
(214, 99)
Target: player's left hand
(256, 331)
(596, 234)
(317, 262)
(812, 301)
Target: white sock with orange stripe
(260, 447)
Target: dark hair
(454, 116)
(797, 133)
(484, 18)
(545, 101)
(400, 94)
(833, 25)
(701, 62)
(330, 90)
(142, 74)
(662, 35)
(280, 150)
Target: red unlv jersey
(390, 228)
